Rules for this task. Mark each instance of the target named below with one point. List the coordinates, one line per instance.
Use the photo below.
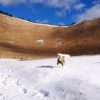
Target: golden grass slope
(20, 38)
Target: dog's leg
(62, 64)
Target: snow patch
(40, 41)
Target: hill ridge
(20, 38)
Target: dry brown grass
(18, 39)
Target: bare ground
(21, 39)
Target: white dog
(61, 58)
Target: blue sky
(58, 12)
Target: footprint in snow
(24, 90)
(45, 93)
(41, 93)
(2, 97)
(1, 94)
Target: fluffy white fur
(61, 58)
(65, 55)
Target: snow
(42, 79)
(40, 41)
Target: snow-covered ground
(79, 79)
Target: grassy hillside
(19, 38)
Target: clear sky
(59, 12)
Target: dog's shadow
(47, 66)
